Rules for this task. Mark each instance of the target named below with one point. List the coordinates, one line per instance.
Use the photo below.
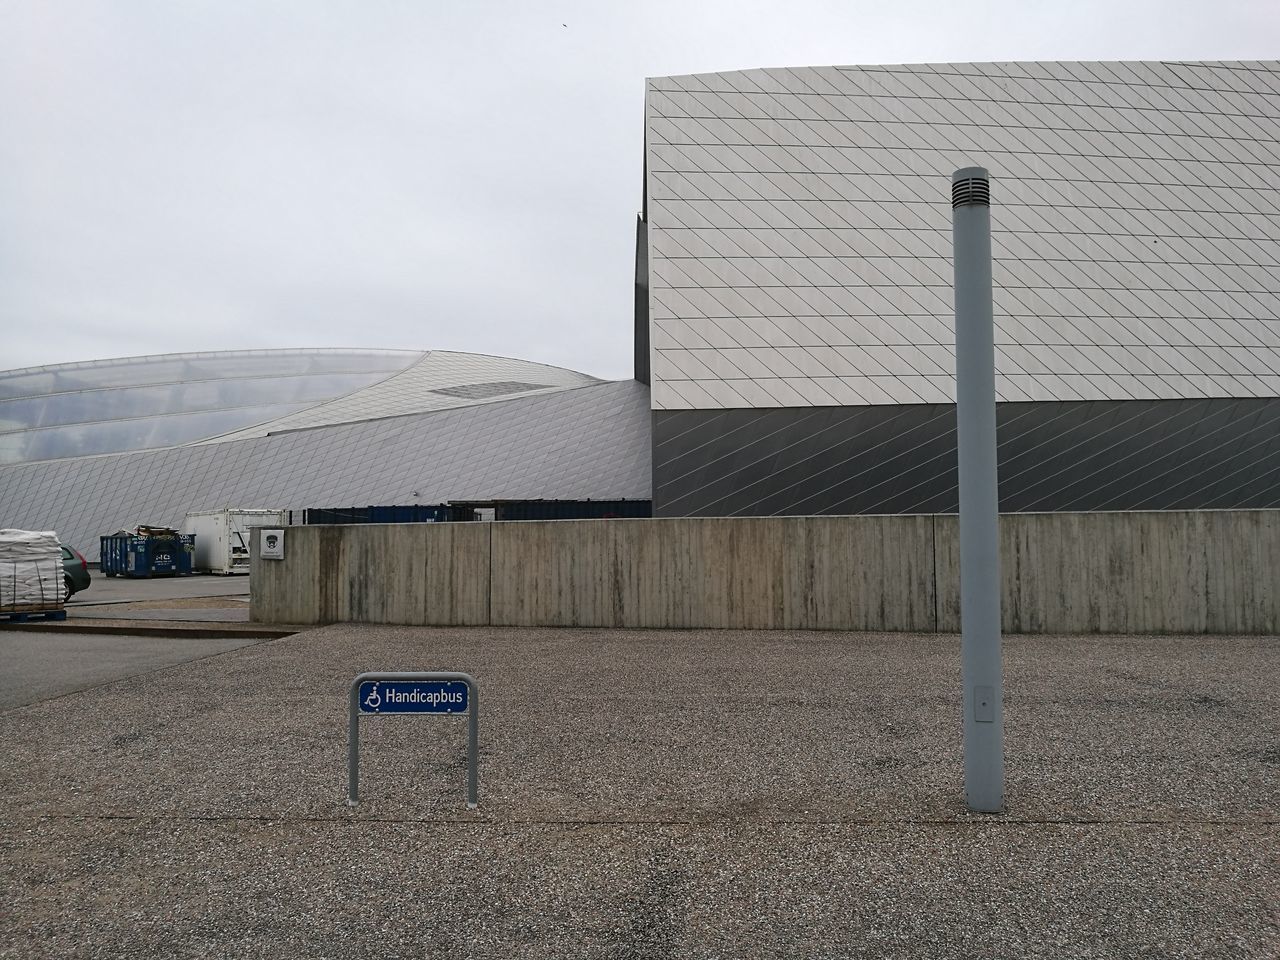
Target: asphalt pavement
(180, 607)
(104, 589)
(649, 794)
(43, 665)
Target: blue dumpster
(148, 554)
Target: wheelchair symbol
(373, 700)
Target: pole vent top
(970, 187)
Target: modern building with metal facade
(794, 312)
(793, 326)
(106, 445)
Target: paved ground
(162, 604)
(104, 589)
(648, 794)
(40, 666)
(173, 610)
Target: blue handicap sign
(413, 696)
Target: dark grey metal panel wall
(642, 301)
(1078, 455)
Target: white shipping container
(222, 536)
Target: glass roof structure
(143, 403)
(138, 403)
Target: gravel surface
(647, 793)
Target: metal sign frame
(473, 726)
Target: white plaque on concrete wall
(271, 543)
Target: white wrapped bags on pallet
(30, 570)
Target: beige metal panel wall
(421, 573)
(848, 573)
(1159, 572)
(796, 225)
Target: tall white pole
(979, 504)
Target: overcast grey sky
(465, 175)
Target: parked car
(75, 570)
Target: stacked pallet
(31, 576)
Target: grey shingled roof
(591, 442)
(799, 231)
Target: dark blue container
(421, 513)
(572, 509)
(147, 556)
(113, 556)
(412, 513)
(187, 555)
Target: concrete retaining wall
(847, 573)
(1213, 571)
(1177, 572)
(413, 573)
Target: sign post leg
(473, 748)
(353, 749)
